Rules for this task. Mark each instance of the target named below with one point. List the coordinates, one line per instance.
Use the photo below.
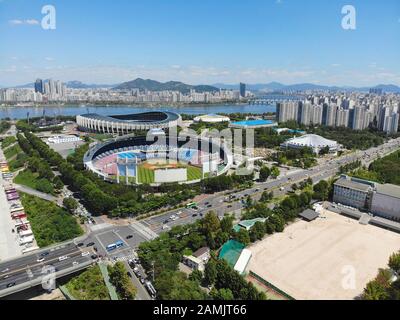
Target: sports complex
(125, 124)
(142, 160)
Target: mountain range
(276, 86)
(152, 85)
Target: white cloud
(29, 22)
(112, 74)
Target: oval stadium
(125, 124)
(140, 160)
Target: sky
(201, 41)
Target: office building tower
(316, 115)
(306, 113)
(342, 118)
(287, 111)
(39, 86)
(242, 90)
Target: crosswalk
(146, 232)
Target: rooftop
(311, 140)
(388, 190)
(346, 183)
(309, 215)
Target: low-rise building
(353, 192)
(379, 199)
(386, 201)
(198, 260)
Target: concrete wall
(386, 206)
(170, 175)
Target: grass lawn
(194, 173)
(26, 178)
(12, 151)
(8, 142)
(18, 162)
(146, 176)
(89, 285)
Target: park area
(319, 260)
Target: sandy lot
(328, 259)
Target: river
(74, 110)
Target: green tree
(196, 275)
(222, 294)
(210, 272)
(265, 172)
(243, 237)
(70, 204)
(275, 172)
(123, 284)
(394, 262)
(321, 190)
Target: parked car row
(139, 273)
(22, 226)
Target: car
(229, 207)
(142, 280)
(5, 270)
(6, 277)
(194, 215)
(129, 274)
(44, 254)
(75, 263)
(40, 260)
(129, 237)
(10, 285)
(207, 203)
(85, 254)
(95, 249)
(209, 206)
(80, 245)
(166, 221)
(91, 244)
(94, 256)
(63, 258)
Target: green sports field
(146, 176)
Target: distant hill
(153, 85)
(72, 85)
(276, 86)
(80, 85)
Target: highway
(25, 268)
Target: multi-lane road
(22, 270)
(218, 203)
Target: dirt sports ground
(316, 260)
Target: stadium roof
(311, 140)
(136, 118)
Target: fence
(270, 285)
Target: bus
(111, 247)
(150, 289)
(192, 205)
(119, 244)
